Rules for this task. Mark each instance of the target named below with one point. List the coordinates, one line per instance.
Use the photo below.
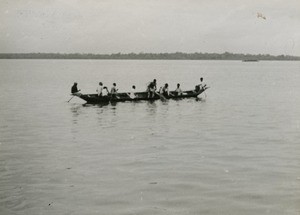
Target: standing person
(151, 89)
(74, 89)
(201, 86)
(132, 93)
(114, 90)
(100, 89)
(178, 90)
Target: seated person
(74, 90)
(178, 90)
(132, 93)
(105, 93)
(100, 89)
(165, 90)
(113, 91)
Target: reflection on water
(75, 109)
(200, 99)
(151, 107)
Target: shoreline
(152, 56)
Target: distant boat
(122, 97)
(250, 60)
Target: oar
(161, 96)
(171, 94)
(73, 95)
(71, 98)
(203, 92)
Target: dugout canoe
(139, 96)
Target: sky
(112, 26)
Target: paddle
(71, 98)
(171, 94)
(73, 95)
(198, 96)
(161, 96)
(204, 91)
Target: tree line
(150, 56)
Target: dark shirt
(74, 89)
(113, 90)
(165, 91)
(152, 86)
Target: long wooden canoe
(122, 97)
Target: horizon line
(126, 53)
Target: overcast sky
(110, 26)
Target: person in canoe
(113, 91)
(74, 89)
(165, 90)
(201, 86)
(132, 92)
(178, 90)
(100, 89)
(151, 88)
(105, 91)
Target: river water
(234, 151)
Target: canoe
(139, 96)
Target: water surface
(235, 151)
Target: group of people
(164, 90)
(103, 91)
(151, 90)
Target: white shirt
(202, 85)
(104, 93)
(178, 90)
(99, 90)
(132, 94)
(113, 90)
